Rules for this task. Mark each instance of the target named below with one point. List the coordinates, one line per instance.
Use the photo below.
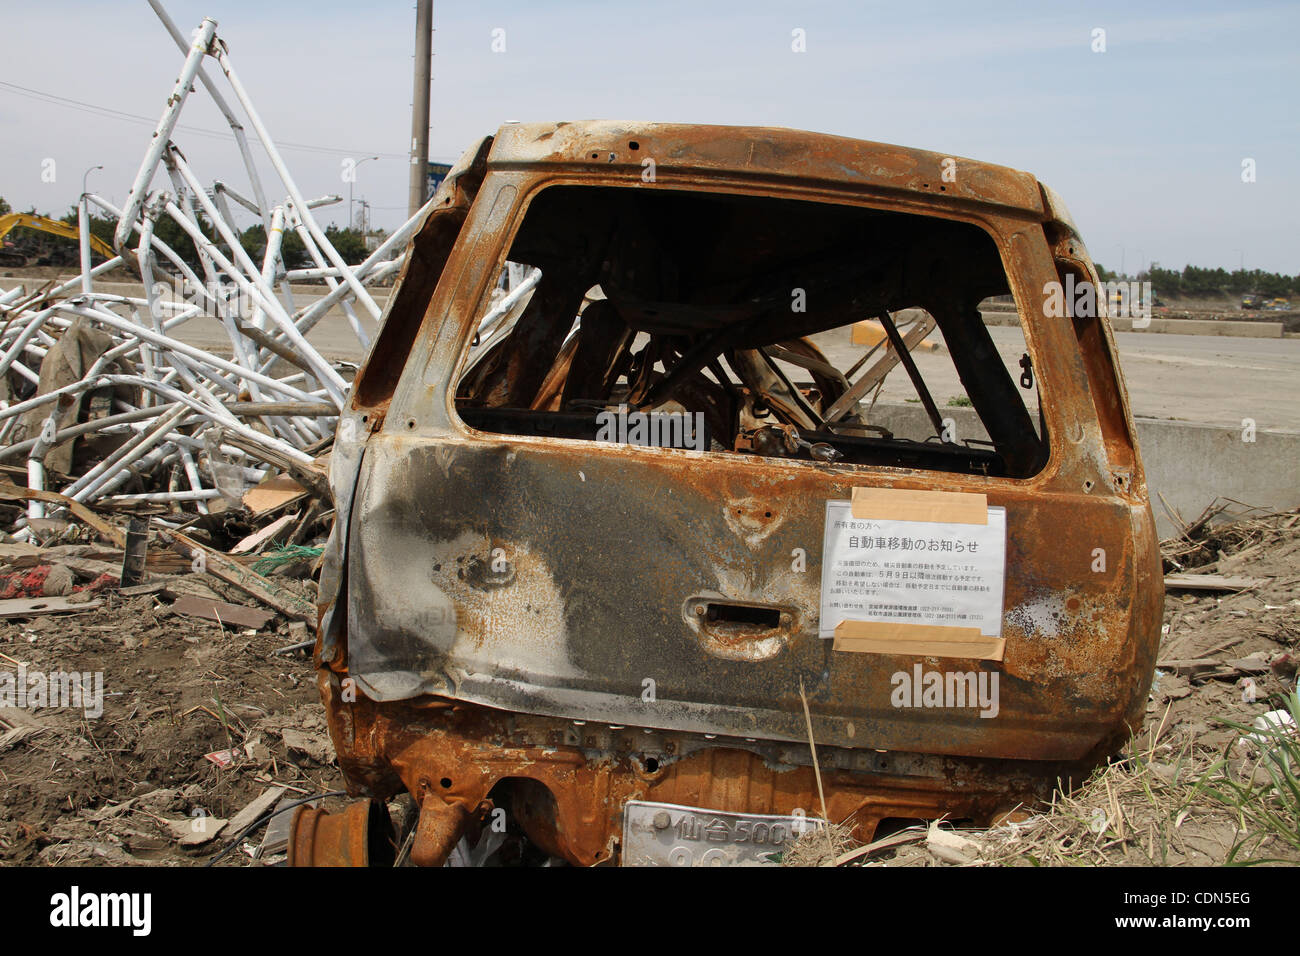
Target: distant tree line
(1194, 282)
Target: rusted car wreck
(529, 606)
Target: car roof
(605, 150)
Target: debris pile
(106, 410)
(1210, 777)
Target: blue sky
(1145, 141)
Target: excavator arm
(53, 226)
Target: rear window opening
(752, 326)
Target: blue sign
(437, 173)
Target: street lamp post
(352, 180)
(83, 230)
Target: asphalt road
(1201, 378)
(1216, 379)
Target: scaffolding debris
(103, 404)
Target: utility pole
(420, 106)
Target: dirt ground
(127, 787)
(135, 785)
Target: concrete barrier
(1189, 464)
(1230, 327)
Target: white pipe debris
(171, 420)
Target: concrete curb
(1229, 327)
(1190, 464)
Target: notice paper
(928, 574)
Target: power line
(83, 107)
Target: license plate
(664, 834)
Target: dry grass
(1165, 803)
(1225, 528)
(1146, 809)
(819, 846)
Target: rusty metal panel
(430, 616)
(520, 608)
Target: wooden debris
(255, 809)
(258, 538)
(273, 493)
(1189, 668)
(20, 550)
(276, 838)
(221, 612)
(34, 607)
(1201, 669)
(153, 587)
(247, 580)
(80, 511)
(895, 839)
(1210, 582)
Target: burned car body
(519, 612)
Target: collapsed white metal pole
(163, 134)
(235, 126)
(83, 238)
(179, 408)
(303, 208)
(36, 464)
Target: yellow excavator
(10, 255)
